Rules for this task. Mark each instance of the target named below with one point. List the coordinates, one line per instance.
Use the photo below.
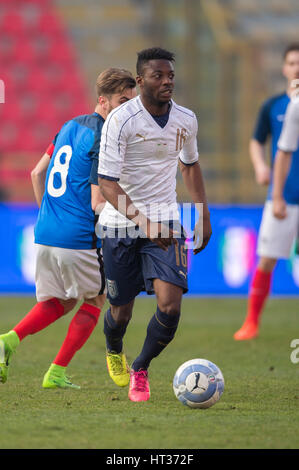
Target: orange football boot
(247, 331)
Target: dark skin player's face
(156, 85)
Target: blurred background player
(69, 265)
(143, 142)
(272, 245)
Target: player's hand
(279, 208)
(202, 239)
(162, 235)
(263, 175)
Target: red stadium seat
(42, 132)
(12, 23)
(18, 74)
(8, 135)
(60, 78)
(31, 13)
(60, 50)
(39, 82)
(32, 138)
(50, 23)
(41, 44)
(26, 141)
(8, 48)
(10, 111)
(46, 110)
(24, 52)
(31, 104)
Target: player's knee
(170, 308)
(97, 301)
(68, 305)
(121, 314)
(267, 264)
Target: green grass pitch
(258, 409)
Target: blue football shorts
(131, 264)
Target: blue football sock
(160, 331)
(114, 333)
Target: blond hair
(114, 80)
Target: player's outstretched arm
(258, 157)
(193, 180)
(281, 169)
(38, 177)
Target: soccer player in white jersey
(287, 144)
(144, 245)
(69, 264)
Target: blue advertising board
(225, 267)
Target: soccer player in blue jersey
(275, 237)
(142, 145)
(69, 264)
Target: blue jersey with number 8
(66, 218)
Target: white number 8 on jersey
(62, 169)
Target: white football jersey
(143, 157)
(289, 137)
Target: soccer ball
(198, 383)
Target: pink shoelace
(140, 381)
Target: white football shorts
(68, 274)
(276, 236)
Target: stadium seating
(43, 84)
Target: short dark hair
(114, 80)
(153, 53)
(290, 48)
